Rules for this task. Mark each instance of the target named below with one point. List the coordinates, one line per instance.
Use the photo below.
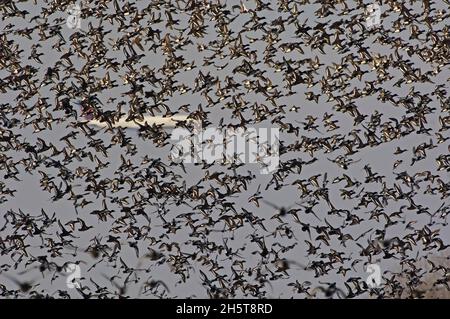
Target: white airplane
(167, 122)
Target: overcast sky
(31, 199)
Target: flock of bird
(139, 225)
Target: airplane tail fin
(86, 112)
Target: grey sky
(30, 198)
